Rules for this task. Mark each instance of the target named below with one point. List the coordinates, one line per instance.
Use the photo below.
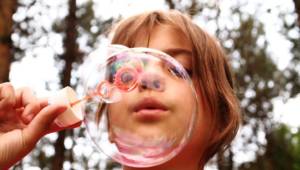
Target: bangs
(138, 28)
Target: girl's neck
(191, 158)
(171, 166)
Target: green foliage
(24, 30)
(282, 151)
(257, 77)
(292, 73)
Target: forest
(65, 32)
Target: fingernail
(62, 108)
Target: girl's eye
(175, 71)
(189, 72)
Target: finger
(27, 100)
(32, 109)
(7, 96)
(54, 127)
(24, 96)
(43, 102)
(30, 112)
(40, 125)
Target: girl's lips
(149, 109)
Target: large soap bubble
(140, 106)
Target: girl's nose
(151, 81)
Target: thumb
(41, 123)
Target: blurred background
(43, 45)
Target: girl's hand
(24, 119)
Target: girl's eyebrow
(176, 51)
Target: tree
(259, 81)
(292, 32)
(79, 22)
(258, 78)
(193, 8)
(297, 9)
(7, 9)
(69, 58)
(282, 151)
(282, 148)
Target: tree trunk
(7, 9)
(225, 162)
(297, 10)
(69, 56)
(171, 4)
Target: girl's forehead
(163, 37)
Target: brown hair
(211, 72)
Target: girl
(218, 114)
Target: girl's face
(156, 113)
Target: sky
(41, 69)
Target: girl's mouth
(149, 110)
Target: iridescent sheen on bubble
(138, 73)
